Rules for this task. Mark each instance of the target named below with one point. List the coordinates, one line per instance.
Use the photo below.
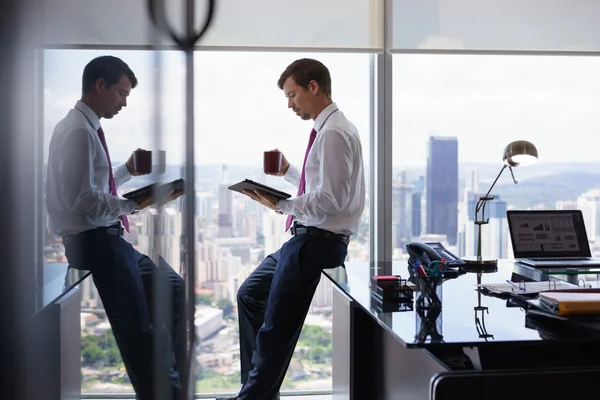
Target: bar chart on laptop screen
(545, 232)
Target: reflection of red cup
(142, 161)
(272, 162)
(161, 162)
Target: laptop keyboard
(561, 259)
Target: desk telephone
(433, 251)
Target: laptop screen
(548, 233)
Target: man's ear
(314, 87)
(100, 84)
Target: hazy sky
(485, 101)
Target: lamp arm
(513, 175)
(480, 202)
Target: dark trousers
(272, 306)
(143, 303)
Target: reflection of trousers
(272, 306)
(143, 304)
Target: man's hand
(285, 164)
(263, 198)
(147, 201)
(131, 166)
(173, 196)
(144, 202)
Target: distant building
(160, 236)
(208, 321)
(495, 241)
(442, 187)
(402, 211)
(225, 217)
(589, 204)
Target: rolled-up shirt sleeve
(121, 174)
(78, 190)
(292, 175)
(333, 190)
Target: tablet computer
(248, 184)
(177, 184)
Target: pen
(415, 266)
(515, 285)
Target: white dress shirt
(77, 191)
(334, 195)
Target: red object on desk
(387, 277)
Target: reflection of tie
(313, 135)
(111, 179)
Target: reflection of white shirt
(77, 192)
(334, 196)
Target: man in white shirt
(84, 209)
(274, 300)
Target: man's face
(114, 97)
(299, 99)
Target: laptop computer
(550, 238)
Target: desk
(57, 327)
(58, 281)
(406, 354)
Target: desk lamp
(480, 322)
(517, 153)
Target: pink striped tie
(111, 179)
(311, 140)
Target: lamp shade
(520, 153)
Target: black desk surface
(457, 320)
(58, 280)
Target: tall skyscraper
(472, 183)
(416, 206)
(225, 219)
(589, 204)
(273, 230)
(250, 226)
(204, 206)
(494, 235)
(465, 228)
(442, 187)
(160, 235)
(402, 231)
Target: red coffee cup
(272, 162)
(142, 161)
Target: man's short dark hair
(109, 68)
(305, 70)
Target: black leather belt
(113, 230)
(298, 229)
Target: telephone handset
(433, 251)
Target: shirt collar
(323, 115)
(89, 114)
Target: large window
(240, 112)
(453, 116)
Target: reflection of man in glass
(274, 300)
(84, 209)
